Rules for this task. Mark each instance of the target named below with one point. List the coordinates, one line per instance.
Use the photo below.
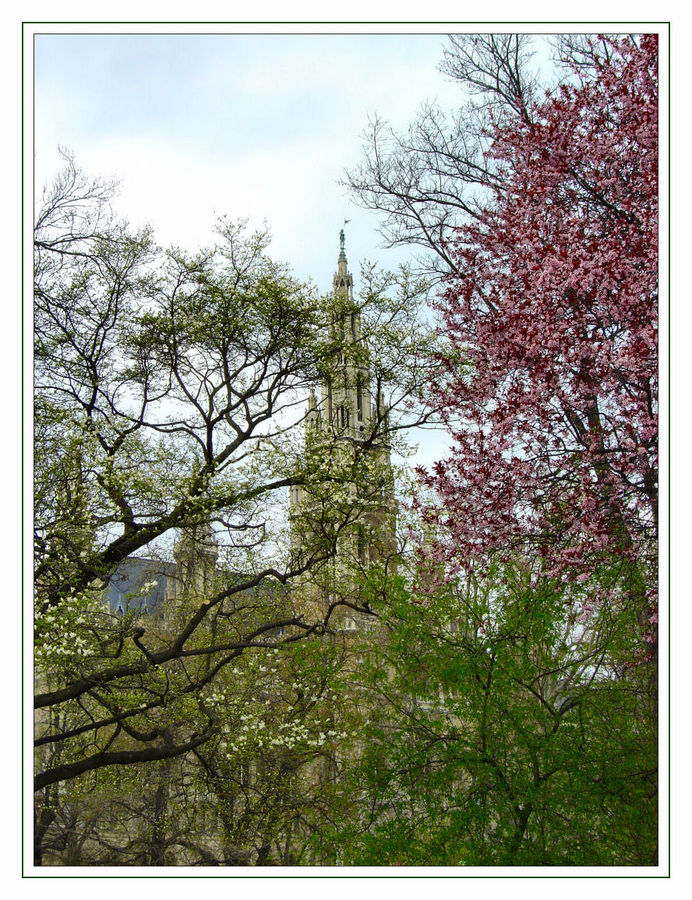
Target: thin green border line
(21, 444)
(670, 90)
(344, 22)
(667, 24)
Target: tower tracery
(342, 426)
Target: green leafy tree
(501, 730)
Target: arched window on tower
(362, 546)
(342, 416)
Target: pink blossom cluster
(553, 409)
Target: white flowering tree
(169, 395)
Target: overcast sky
(259, 126)
(248, 125)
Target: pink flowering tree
(550, 386)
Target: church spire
(343, 280)
(348, 411)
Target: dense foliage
(498, 734)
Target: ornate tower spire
(343, 416)
(343, 280)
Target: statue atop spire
(342, 241)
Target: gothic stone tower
(196, 553)
(344, 429)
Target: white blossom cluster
(60, 632)
(296, 735)
(251, 727)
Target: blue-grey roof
(125, 593)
